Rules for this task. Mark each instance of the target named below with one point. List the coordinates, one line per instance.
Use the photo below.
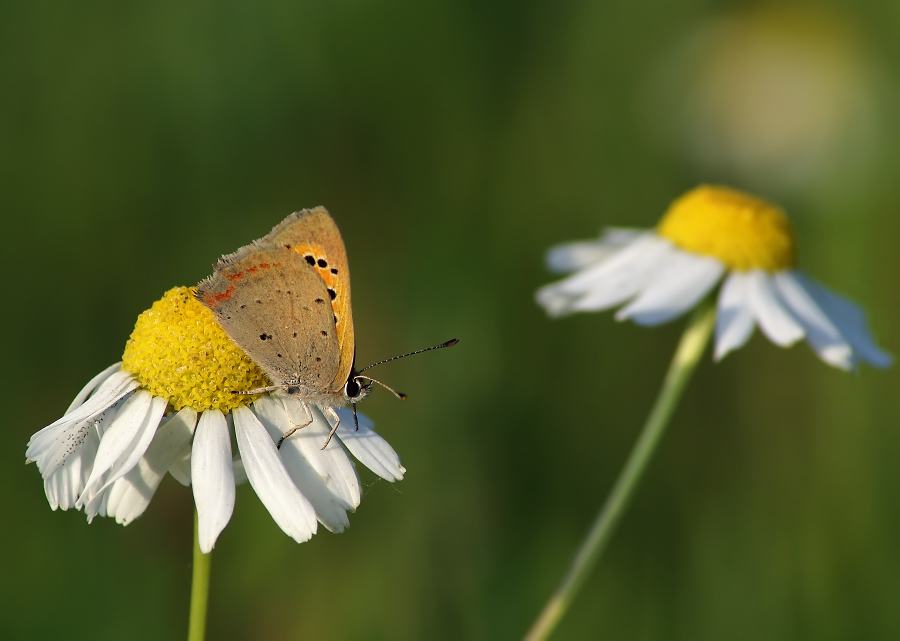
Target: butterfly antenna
(399, 395)
(450, 343)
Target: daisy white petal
(368, 447)
(117, 440)
(92, 385)
(64, 486)
(51, 449)
(734, 323)
(676, 287)
(97, 505)
(265, 470)
(849, 319)
(58, 487)
(322, 476)
(331, 463)
(93, 504)
(769, 310)
(569, 257)
(821, 333)
(131, 494)
(138, 446)
(181, 467)
(212, 478)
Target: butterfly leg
(293, 429)
(258, 390)
(331, 414)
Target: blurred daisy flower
(169, 406)
(711, 235)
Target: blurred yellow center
(179, 351)
(741, 231)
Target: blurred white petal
(821, 333)
(850, 321)
(680, 282)
(773, 318)
(569, 257)
(608, 283)
(734, 322)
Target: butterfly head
(356, 388)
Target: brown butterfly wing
(313, 236)
(277, 310)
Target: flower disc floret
(179, 352)
(741, 231)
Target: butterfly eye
(352, 389)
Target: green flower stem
(199, 590)
(690, 349)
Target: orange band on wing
(213, 300)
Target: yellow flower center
(179, 351)
(740, 230)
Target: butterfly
(285, 301)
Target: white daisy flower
(169, 407)
(712, 235)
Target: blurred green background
(454, 142)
